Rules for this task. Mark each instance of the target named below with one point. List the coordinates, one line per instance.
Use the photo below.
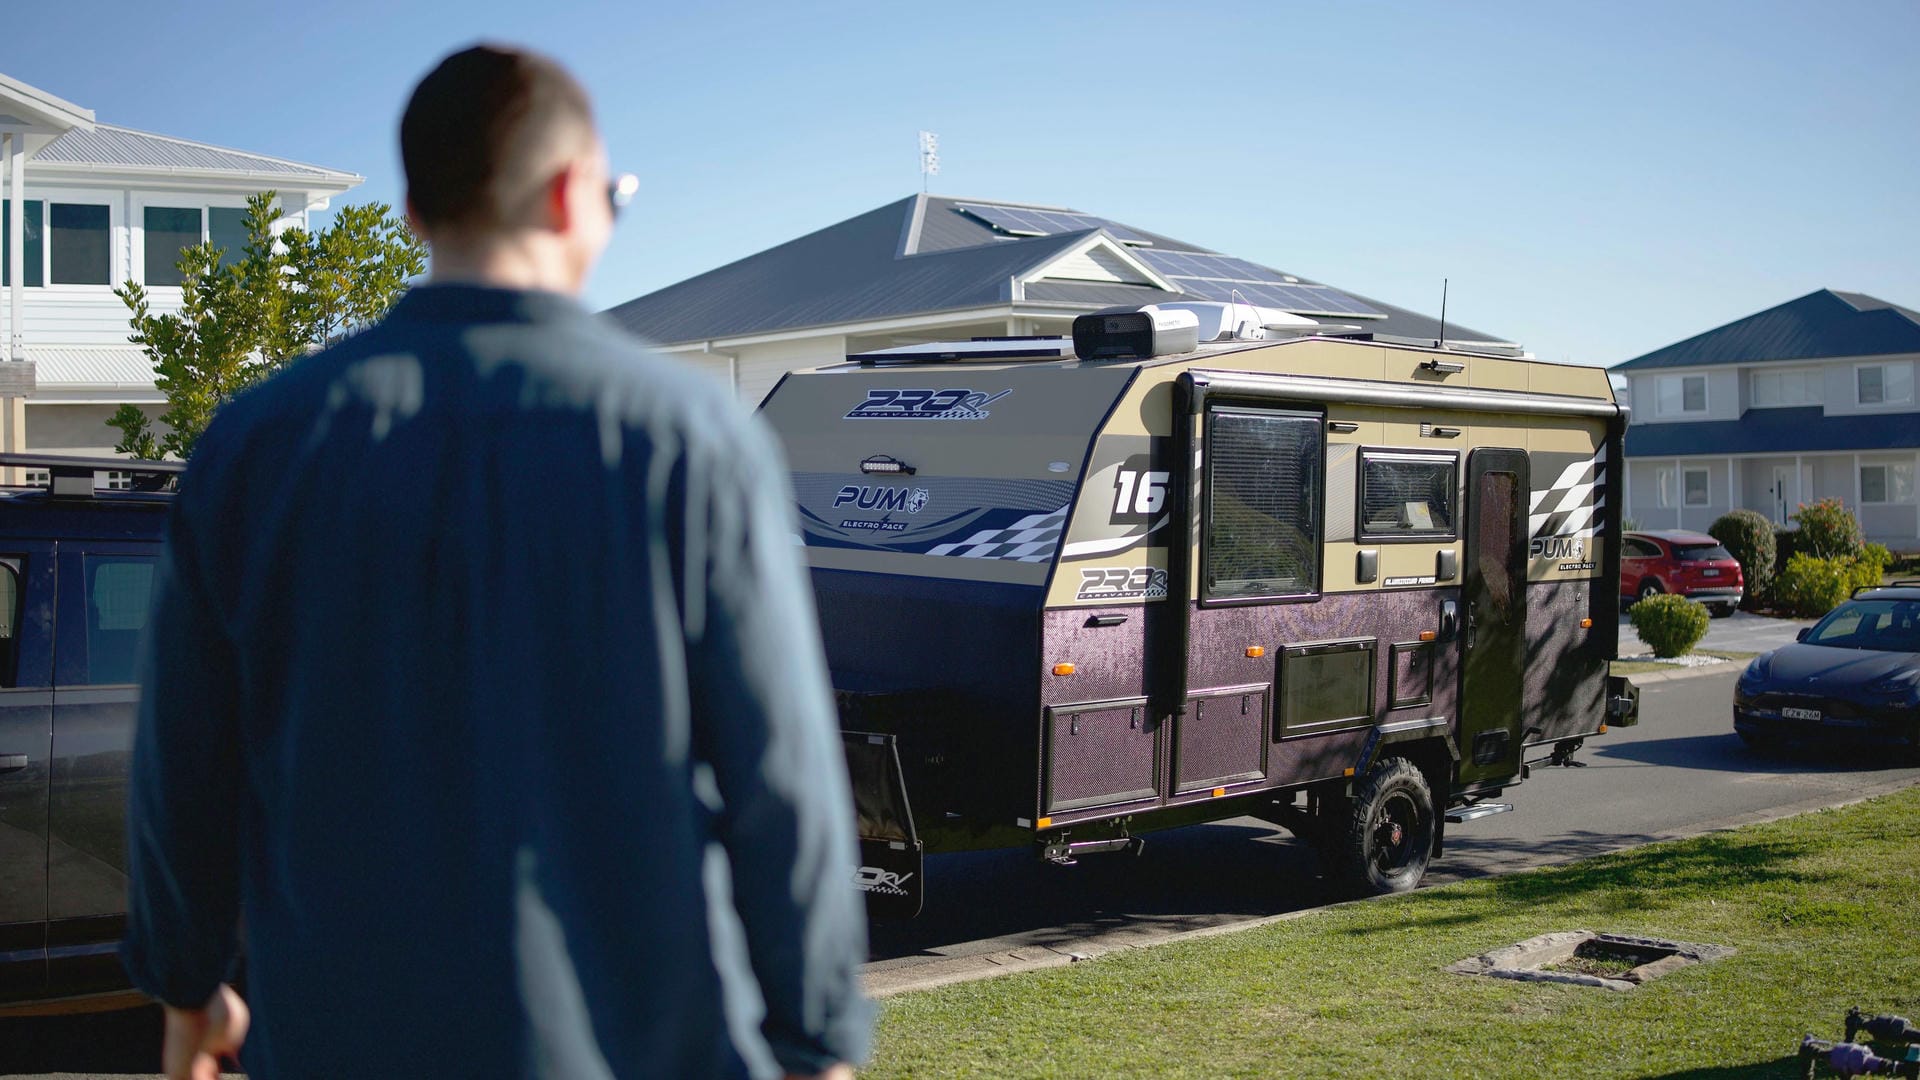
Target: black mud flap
(891, 856)
(1623, 702)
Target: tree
(244, 316)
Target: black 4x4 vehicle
(77, 561)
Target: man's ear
(413, 219)
(555, 208)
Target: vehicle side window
(119, 600)
(1637, 549)
(9, 622)
(1262, 512)
(1403, 493)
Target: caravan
(1201, 562)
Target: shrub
(1828, 530)
(1749, 536)
(1878, 555)
(1811, 587)
(1671, 625)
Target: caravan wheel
(1389, 838)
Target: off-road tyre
(1389, 835)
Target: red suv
(1689, 563)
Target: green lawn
(1823, 908)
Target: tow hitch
(1062, 852)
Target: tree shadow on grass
(1638, 880)
(1781, 1066)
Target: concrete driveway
(1739, 632)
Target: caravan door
(1495, 599)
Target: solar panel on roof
(1221, 277)
(1021, 221)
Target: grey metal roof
(1820, 324)
(109, 145)
(916, 256)
(1804, 429)
(91, 366)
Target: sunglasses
(620, 191)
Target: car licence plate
(1800, 714)
(1709, 573)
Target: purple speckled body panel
(1224, 740)
(1566, 675)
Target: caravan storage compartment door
(1100, 753)
(1221, 740)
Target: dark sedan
(1854, 676)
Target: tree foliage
(245, 315)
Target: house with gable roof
(934, 268)
(85, 206)
(1810, 400)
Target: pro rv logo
(886, 882)
(1122, 583)
(952, 404)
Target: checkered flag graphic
(1033, 538)
(1570, 506)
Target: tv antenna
(929, 157)
(1442, 342)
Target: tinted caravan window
(1262, 504)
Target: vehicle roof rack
(1903, 583)
(73, 477)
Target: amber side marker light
(1603, 729)
(1063, 669)
(1428, 635)
(1349, 772)
(1256, 651)
(1586, 624)
(1043, 823)
(1219, 791)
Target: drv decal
(952, 404)
(874, 879)
(891, 500)
(1122, 583)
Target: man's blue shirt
(475, 634)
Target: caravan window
(1407, 494)
(1263, 495)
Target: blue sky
(1596, 180)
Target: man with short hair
(485, 687)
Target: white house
(932, 268)
(85, 206)
(1810, 400)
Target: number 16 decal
(1139, 493)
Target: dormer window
(1883, 384)
(1681, 395)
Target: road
(1680, 771)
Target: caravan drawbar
(1073, 591)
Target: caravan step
(1460, 814)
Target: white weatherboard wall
(761, 366)
(1842, 390)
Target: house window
(1883, 384)
(1263, 494)
(170, 231)
(80, 239)
(1663, 483)
(1681, 395)
(34, 212)
(1886, 483)
(227, 232)
(1696, 486)
(1407, 494)
(1783, 389)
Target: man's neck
(504, 263)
